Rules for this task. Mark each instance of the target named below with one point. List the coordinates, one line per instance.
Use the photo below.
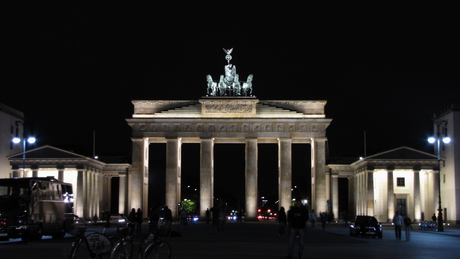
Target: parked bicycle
(152, 246)
(123, 249)
(98, 244)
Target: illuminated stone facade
(226, 119)
(90, 178)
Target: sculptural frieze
(228, 108)
(229, 83)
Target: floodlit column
(417, 200)
(391, 195)
(79, 194)
(251, 179)
(351, 197)
(60, 174)
(173, 174)
(206, 175)
(335, 196)
(107, 190)
(370, 193)
(122, 193)
(16, 173)
(285, 172)
(138, 171)
(318, 146)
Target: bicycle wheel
(157, 250)
(75, 246)
(122, 250)
(145, 241)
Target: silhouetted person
(167, 214)
(139, 220)
(132, 215)
(407, 227)
(154, 218)
(297, 219)
(208, 216)
(312, 218)
(398, 222)
(282, 221)
(323, 218)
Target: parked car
(366, 226)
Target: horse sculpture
(212, 86)
(247, 86)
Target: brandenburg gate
(229, 113)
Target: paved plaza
(260, 240)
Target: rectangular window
(400, 182)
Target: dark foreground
(260, 240)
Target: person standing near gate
(398, 222)
(297, 219)
(407, 227)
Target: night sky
(73, 69)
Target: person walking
(297, 218)
(139, 220)
(167, 214)
(407, 227)
(323, 217)
(312, 218)
(282, 221)
(398, 222)
(132, 215)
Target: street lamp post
(17, 140)
(441, 135)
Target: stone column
(417, 200)
(318, 152)
(138, 169)
(60, 174)
(351, 197)
(285, 172)
(79, 195)
(391, 195)
(173, 174)
(16, 173)
(251, 179)
(122, 193)
(335, 196)
(370, 193)
(206, 175)
(107, 189)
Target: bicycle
(124, 247)
(153, 247)
(98, 244)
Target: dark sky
(384, 69)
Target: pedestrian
(183, 217)
(139, 220)
(132, 215)
(398, 222)
(282, 221)
(167, 214)
(433, 218)
(208, 216)
(216, 218)
(323, 217)
(407, 227)
(154, 218)
(297, 218)
(312, 218)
